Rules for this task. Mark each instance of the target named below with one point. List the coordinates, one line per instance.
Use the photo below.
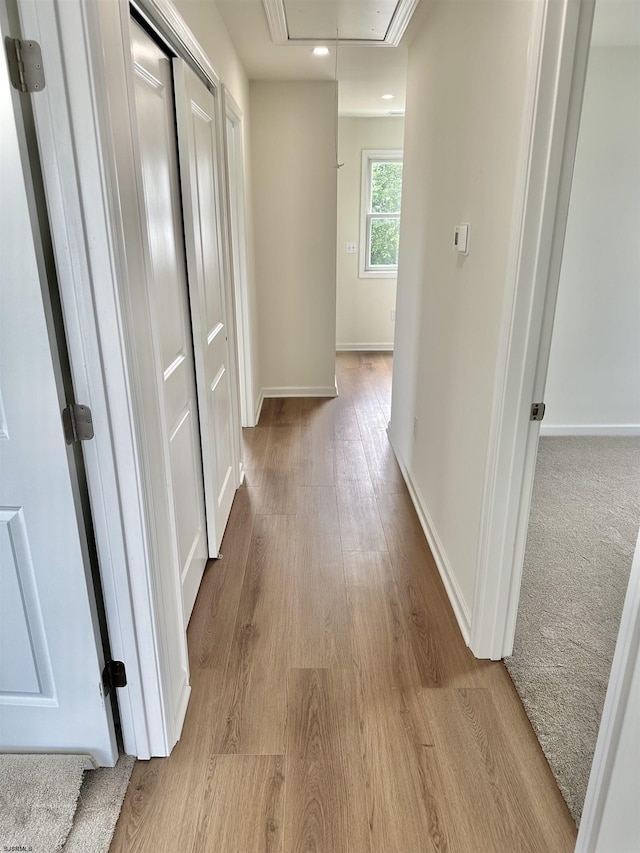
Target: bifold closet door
(168, 313)
(198, 139)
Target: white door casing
(169, 309)
(556, 76)
(197, 115)
(234, 149)
(51, 659)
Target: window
(380, 213)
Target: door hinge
(26, 70)
(114, 674)
(78, 423)
(537, 411)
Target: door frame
(84, 45)
(236, 217)
(65, 392)
(557, 76)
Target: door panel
(197, 116)
(50, 655)
(169, 308)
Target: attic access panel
(366, 22)
(359, 20)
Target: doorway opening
(583, 524)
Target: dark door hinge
(537, 411)
(78, 423)
(26, 70)
(114, 675)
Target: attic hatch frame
(279, 29)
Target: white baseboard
(452, 588)
(300, 391)
(364, 347)
(590, 429)
(259, 406)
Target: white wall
(295, 213)
(204, 20)
(363, 304)
(594, 367)
(465, 92)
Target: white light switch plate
(461, 238)
(352, 248)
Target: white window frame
(369, 157)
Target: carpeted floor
(49, 803)
(99, 804)
(38, 796)
(582, 533)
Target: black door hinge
(114, 674)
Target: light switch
(352, 248)
(461, 238)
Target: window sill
(378, 273)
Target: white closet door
(197, 132)
(169, 309)
(50, 655)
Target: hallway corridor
(335, 706)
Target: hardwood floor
(335, 706)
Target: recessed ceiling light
(320, 51)
(387, 97)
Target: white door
(197, 132)
(50, 656)
(169, 308)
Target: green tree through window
(382, 211)
(386, 187)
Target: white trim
(400, 21)
(234, 160)
(78, 180)
(364, 347)
(277, 20)
(590, 429)
(556, 74)
(232, 323)
(299, 391)
(259, 407)
(165, 19)
(370, 156)
(613, 713)
(452, 588)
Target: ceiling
(365, 73)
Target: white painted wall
(203, 18)
(363, 304)
(295, 214)
(465, 91)
(594, 367)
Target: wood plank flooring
(335, 707)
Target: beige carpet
(582, 533)
(38, 797)
(48, 803)
(99, 805)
